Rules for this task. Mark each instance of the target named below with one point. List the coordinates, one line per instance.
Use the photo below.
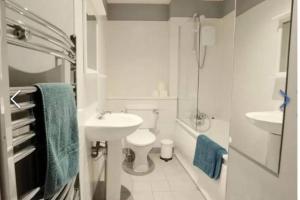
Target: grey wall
(228, 6)
(143, 12)
(244, 5)
(177, 8)
(186, 8)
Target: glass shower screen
(188, 76)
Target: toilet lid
(141, 137)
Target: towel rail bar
(20, 131)
(23, 106)
(40, 34)
(26, 90)
(33, 17)
(16, 124)
(23, 153)
(30, 194)
(22, 138)
(23, 90)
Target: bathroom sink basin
(270, 121)
(112, 126)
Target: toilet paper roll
(163, 93)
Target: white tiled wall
(137, 57)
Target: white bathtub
(185, 143)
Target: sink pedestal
(114, 167)
(112, 128)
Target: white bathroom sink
(270, 121)
(112, 126)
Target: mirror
(262, 35)
(94, 11)
(91, 42)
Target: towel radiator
(17, 124)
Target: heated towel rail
(22, 132)
(17, 123)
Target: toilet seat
(141, 137)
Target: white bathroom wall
(256, 66)
(137, 57)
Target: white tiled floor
(169, 181)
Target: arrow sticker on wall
(12, 99)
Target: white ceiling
(140, 1)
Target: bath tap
(101, 114)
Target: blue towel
(61, 132)
(209, 156)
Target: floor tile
(188, 195)
(168, 181)
(142, 196)
(182, 186)
(127, 182)
(160, 186)
(142, 186)
(157, 174)
(163, 196)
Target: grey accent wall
(186, 8)
(228, 6)
(211, 9)
(105, 4)
(177, 8)
(244, 5)
(91, 18)
(143, 12)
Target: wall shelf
(142, 98)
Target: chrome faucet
(102, 114)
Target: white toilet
(142, 140)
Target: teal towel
(209, 156)
(61, 131)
